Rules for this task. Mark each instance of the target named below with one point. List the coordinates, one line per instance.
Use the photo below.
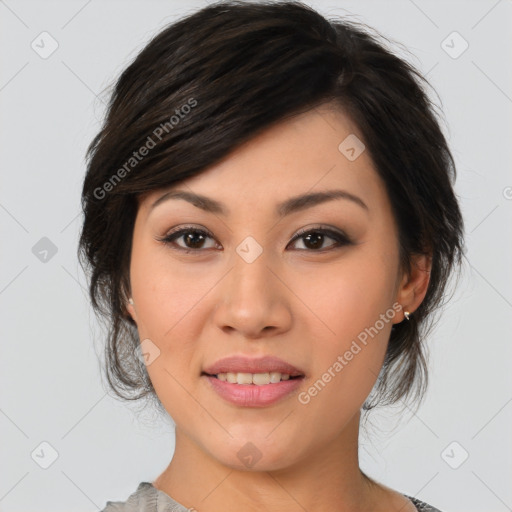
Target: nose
(253, 301)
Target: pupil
(319, 238)
(189, 238)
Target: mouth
(246, 381)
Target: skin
(296, 301)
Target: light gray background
(51, 389)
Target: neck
(326, 477)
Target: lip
(244, 364)
(251, 395)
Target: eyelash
(340, 238)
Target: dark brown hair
(216, 78)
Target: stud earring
(407, 315)
(130, 300)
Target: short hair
(216, 78)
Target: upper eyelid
(330, 232)
(300, 232)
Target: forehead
(317, 150)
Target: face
(316, 284)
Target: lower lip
(251, 395)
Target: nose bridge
(252, 299)
(250, 282)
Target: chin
(248, 453)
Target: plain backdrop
(55, 410)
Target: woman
(269, 226)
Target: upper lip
(244, 364)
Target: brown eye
(193, 239)
(314, 239)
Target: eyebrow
(291, 205)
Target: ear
(414, 284)
(130, 307)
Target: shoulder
(141, 499)
(145, 499)
(421, 505)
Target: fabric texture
(148, 498)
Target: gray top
(148, 498)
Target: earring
(130, 300)
(407, 315)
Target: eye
(314, 238)
(193, 238)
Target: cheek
(350, 295)
(355, 309)
(173, 301)
(167, 291)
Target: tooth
(258, 379)
(244, 378)
(275, 377)
(261, 378)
